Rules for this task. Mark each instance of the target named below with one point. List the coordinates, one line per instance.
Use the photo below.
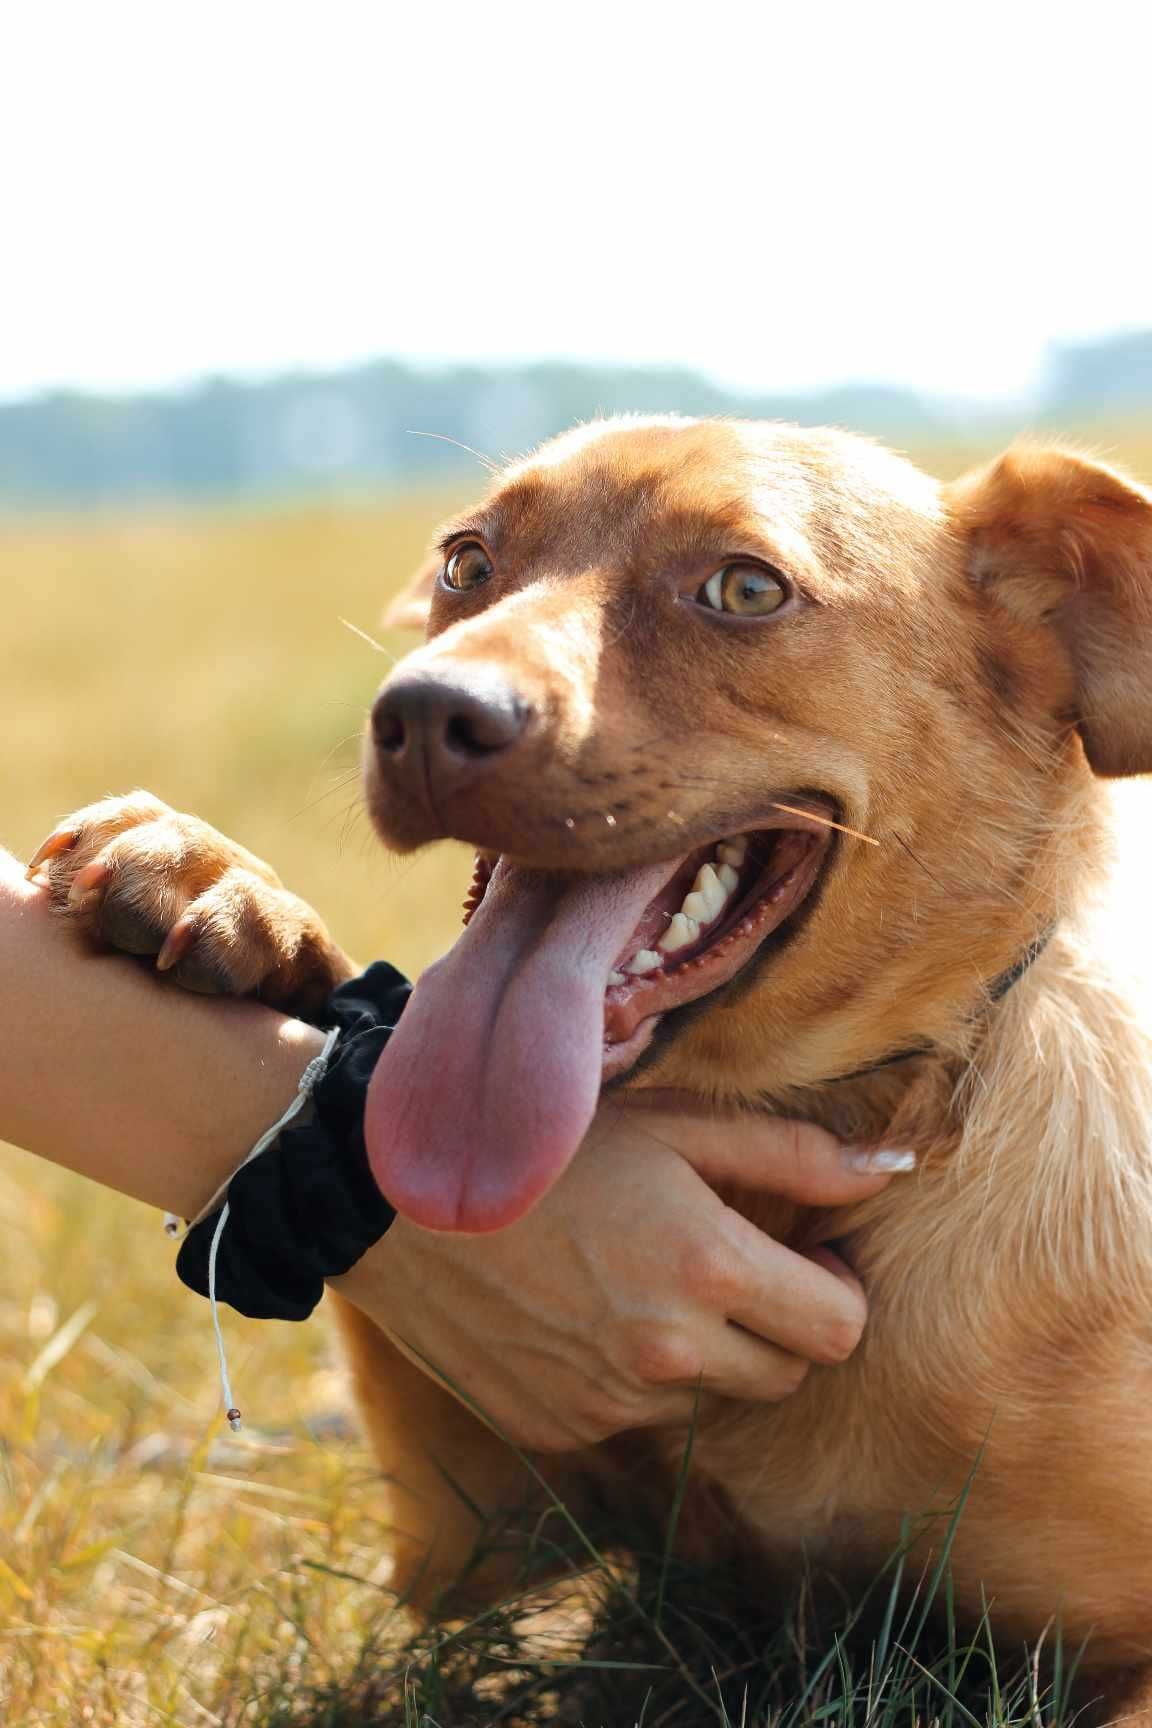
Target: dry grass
(151, 1569)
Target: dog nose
(447, 726)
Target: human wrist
(258, 1084)
(308, 1207)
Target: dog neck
(994, 993)
(1036, 1133)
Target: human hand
(631, 1282)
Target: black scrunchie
(308, 1208)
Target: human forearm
(111, 1073)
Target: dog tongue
(489, 1082)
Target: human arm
(596, 1312)
(152, 1091)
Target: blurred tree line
(386, 424)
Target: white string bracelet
(313, 1073)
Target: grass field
(152, 1568)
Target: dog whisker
(371, 640)
(340, 784)
(348, 738)
(443, 438)
(904, 846)
(350, 825)
(825, 822)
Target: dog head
(764, 740)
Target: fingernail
(878, 1162)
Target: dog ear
(410, 608)
(1067, 542)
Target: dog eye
(748, 590)
(467, 566)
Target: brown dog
(678, 671)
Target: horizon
(439, 366)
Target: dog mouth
(558, 982)
(718, 907)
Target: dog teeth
(706, 901)
(680, 933)
(709, 884)
(703, 904)
(643, 961)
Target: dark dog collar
(1000, 987)
(995, 992)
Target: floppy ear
(1067, 542)
(410, 608)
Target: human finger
(795, 1160)
(799, 1302)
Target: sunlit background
(260, 266)
(321, 230)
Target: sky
(783, 196)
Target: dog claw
(176, 944)
(57, 842)
(87, 884)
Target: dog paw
(137, 876)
